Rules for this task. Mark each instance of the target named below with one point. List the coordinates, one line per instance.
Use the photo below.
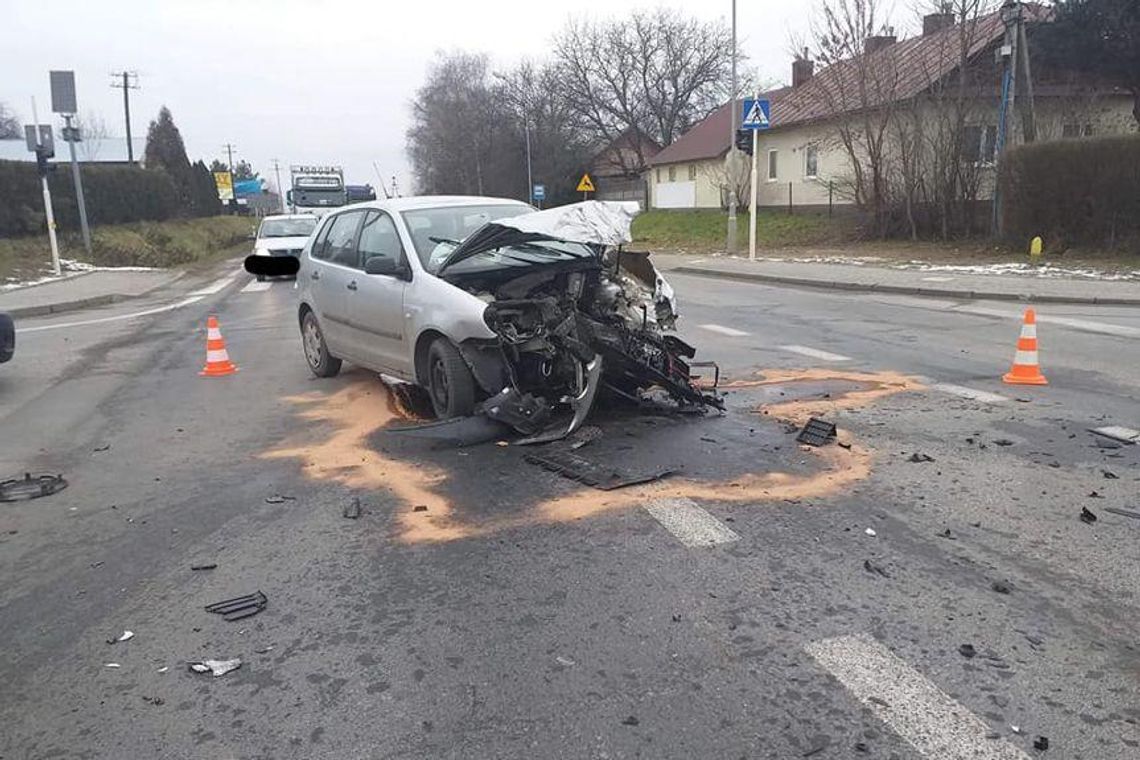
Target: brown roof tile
(708, 138)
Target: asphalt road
(482, 607)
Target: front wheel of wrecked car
(321, 362)
(450, 384)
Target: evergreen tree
(166, 151)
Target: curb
(871, 287)
(42, 310)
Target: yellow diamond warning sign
(586, 185)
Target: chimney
(936, 22)
(879, 42)
(802, 69)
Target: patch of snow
(72, 265)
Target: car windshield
(279, 228)
(436, 231)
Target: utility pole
(1029, 118)
(1011, 17)
(730, 157)
(230, 154)
(529, 178)
(280, 192)
(126, 81)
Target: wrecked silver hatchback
(575, 316)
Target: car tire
(450, 383)
(261, 278)
(321, 362)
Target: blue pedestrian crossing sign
(538, 192)
(757, 114)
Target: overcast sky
(306, 82)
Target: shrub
(1073, 192)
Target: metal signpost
(757, 116)
(40, 142)
(63, 103)
(538, 194)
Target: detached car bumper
(7, 338)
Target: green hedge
(1073, 192)
(114, 194)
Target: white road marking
(691, 525)
(815, 353)
(1121, 433)
(116, 318)
(915, 709)
(1085, 325)
(724, 330)
(970, 393)
(215, 287)
(937, 279)
(256, 286)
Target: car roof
(434, 201)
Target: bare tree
(93, 131)
(9, 123)
(657, 71)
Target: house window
(692, 171)
(672, 173)
(811, 162)
(979, 144)
(773, 165)
(1071, 131)
(659, 174)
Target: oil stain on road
(741, 457)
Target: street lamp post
(730, 157)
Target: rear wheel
(450, 384)
(321, 362)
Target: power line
(126, 81)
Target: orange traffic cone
(1025, 369)
(218, 361)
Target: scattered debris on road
(1001, 587)
(1003, 442)
(1042, 743)
(205, 566)
(1109, 475)
(279, 499)
(871, 567)
(1123, 512)
(104, 447)
(352, 510)
(31, 487)
(948, 534)
(967, 651)
(239, 607)
(1087, 516)
(216, 667)
(918, 457)
(871, 532)
(112, 665)
(124, 636)
(154, 700)
(816, 432)
(420, 508)
(1095, 495)
(630, 721)
(1117, 434)
(565, 662)
(601, 476)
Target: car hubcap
(312, 343)
(439, 385)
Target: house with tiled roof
(802, 160)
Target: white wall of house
(687, 184)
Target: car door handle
(315, 275)
(351, 285)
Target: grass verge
(172, 243)
(705, 229)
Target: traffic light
(41, 162)
(744, 141)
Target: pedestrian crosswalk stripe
(971, 393)
(255, 286)
(729, 331)
(690, 524)
(918, 711)
(816, 353)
